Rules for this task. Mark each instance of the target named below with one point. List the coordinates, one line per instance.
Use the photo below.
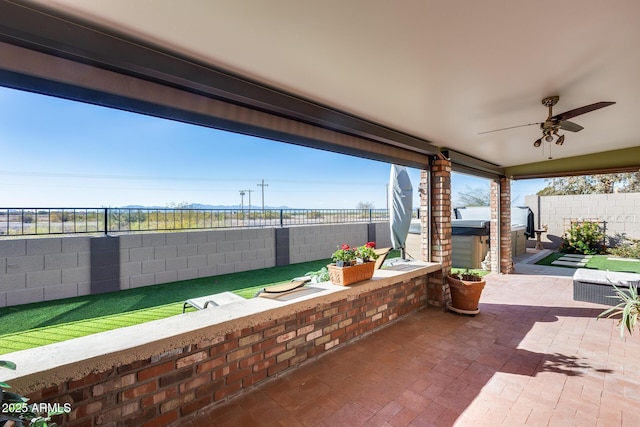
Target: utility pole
(249, 191)
(263, 185)
(242, 202)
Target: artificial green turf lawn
(33, 325)
(597, 262)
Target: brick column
(501, 196)
(440, 238)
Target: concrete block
(197, 261)
(208, 271)
(154, 266)
(226, 269)
(3, 299)
(141, 254)
(257, 244)
(194, 237)
(40, 279)
(60, 291)
(130, 241)
(25, 263)
(187, 250)
(241, 245)
(25, 296)
(13, 282)
(84, 288)
(109, 284)
(232, 235)
(61, 261)
(3, 266)
(76, 275)
(249, 234)
(84, 259)
(179, 238)
(188, 274)
(225, 246)
(215, 259)
(125, 256)
(154, 240)
(207, 248)
(142, 280)
(166, 277)
(164, 252)
(131, 269)
(44, 246)
(249, 256)
(75, 244)
(104, 244)
(215, 235)
(232, 257)
(175, 264)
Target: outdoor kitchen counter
(76, 358)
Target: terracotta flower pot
(465, 294)
(348, 275)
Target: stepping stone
(623, 259)
(569, 263)
(577, 256)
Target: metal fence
(46, 221)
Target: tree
(477, 196)
(592, 184)
(365, 205)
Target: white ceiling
(441, 70)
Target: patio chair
(382, 255)
(214, 300)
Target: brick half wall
(171, 387)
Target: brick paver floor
(532, 357)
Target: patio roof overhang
(50, 50)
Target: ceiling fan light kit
(560, 121)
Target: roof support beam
(187, 89)
(625, 160)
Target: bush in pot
(466, 288)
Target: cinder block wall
(34, 270)
(151, 259)
(43, 269)
(313, 243)
(621, 211)
(170, 388)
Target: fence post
(281, 219)
(106, 221)
(370, 216)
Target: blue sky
(58, 153)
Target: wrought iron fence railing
(47, 221)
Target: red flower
(344, 247)
(371, 244)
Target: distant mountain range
(201, 206)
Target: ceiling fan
(553, 123)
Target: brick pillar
(440, 239)
(501, 196)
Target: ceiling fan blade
(512, 127)
(570, 126)
(582, 110)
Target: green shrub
(626, 248)
(584, 237)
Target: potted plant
(17, 412)
(629, 308)
(466, 288)
(352, 264)
(344, 256)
